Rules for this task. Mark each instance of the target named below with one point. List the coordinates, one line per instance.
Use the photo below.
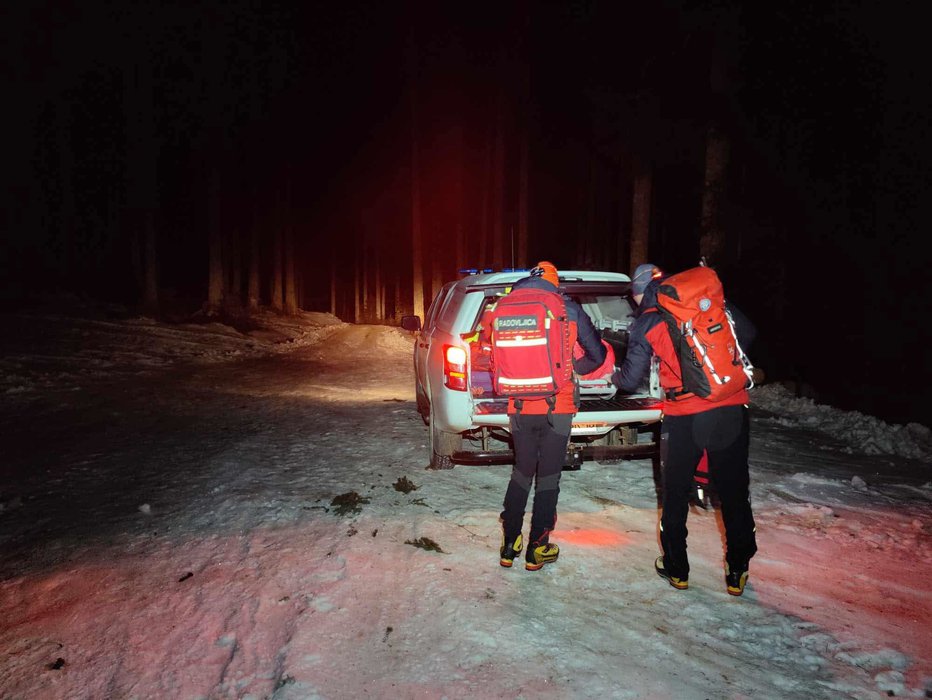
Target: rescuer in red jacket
(690, 426)
(540, 437)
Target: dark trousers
(540, 451)
(724, 434)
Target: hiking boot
(510, 549)
(680, 584)
(540, 555)
(736, 580)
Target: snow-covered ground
(192, 511)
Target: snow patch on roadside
(65, 351)
(862, 433)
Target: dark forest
(198, 160)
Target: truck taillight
(454, 367)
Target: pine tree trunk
(365, 287)
(213, 61)
(252, 295)
(640, 218)
(417, 271)
(379, 306)
(712, 234)
(136, 251)
(436, 276)
(622, 237)
(277, 301)
(485, 232)
(300, 286)
(333, 283)
(291, 297)
(215, 276)
(588, 236)
(255, 89)
(521, 261)
(236, 268)
(150, 297)
(357, 290)
(459, 200)
(290, 287)
(498, 186)
(142, 176)
(525, 147)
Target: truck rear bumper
(595, 417)
(575, 454)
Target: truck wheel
(612, 439)
(442, 445)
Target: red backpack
(712, 364)
(532, 352)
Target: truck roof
(506, 277)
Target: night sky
(259, 116)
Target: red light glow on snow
(592, 537)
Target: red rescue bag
(532, 354)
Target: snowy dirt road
(265, 527)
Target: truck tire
(442, 445)
(612, 439)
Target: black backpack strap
(674, 394)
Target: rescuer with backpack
(705, 375)
(532, 331)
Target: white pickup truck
(469, 423)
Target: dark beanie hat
(643, 276)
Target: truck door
(425, 337)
